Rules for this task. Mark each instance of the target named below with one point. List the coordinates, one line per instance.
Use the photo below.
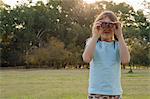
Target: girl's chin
(106, 36)
(107, 33)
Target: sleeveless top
(105, 69)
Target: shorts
(99, 96)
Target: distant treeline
(54, 34)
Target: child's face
(108, 33)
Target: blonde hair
(103, 15)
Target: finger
(97, 24)
(119, 24)
(114, 28)
(99, 21)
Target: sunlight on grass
(65, 84)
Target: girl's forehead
(106, 19)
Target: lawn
(65, 84)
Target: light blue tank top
(105, 69)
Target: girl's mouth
(107, 32)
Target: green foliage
(25, 31)
(140, 51)
(53, 54)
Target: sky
(14, 2)
(137, 4)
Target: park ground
(65, 84)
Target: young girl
(105, 51)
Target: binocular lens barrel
(106, 25)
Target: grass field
(65, 84)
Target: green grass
(65, 84)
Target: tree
(28, 27)
(53, 54)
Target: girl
(105, 51)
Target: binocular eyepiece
(106, 25)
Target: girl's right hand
(97, 31)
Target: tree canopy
(54, 34)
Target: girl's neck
(107, 40)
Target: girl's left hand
(118, 30)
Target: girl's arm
(91, 44)
(124, 52)
(89, 49)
